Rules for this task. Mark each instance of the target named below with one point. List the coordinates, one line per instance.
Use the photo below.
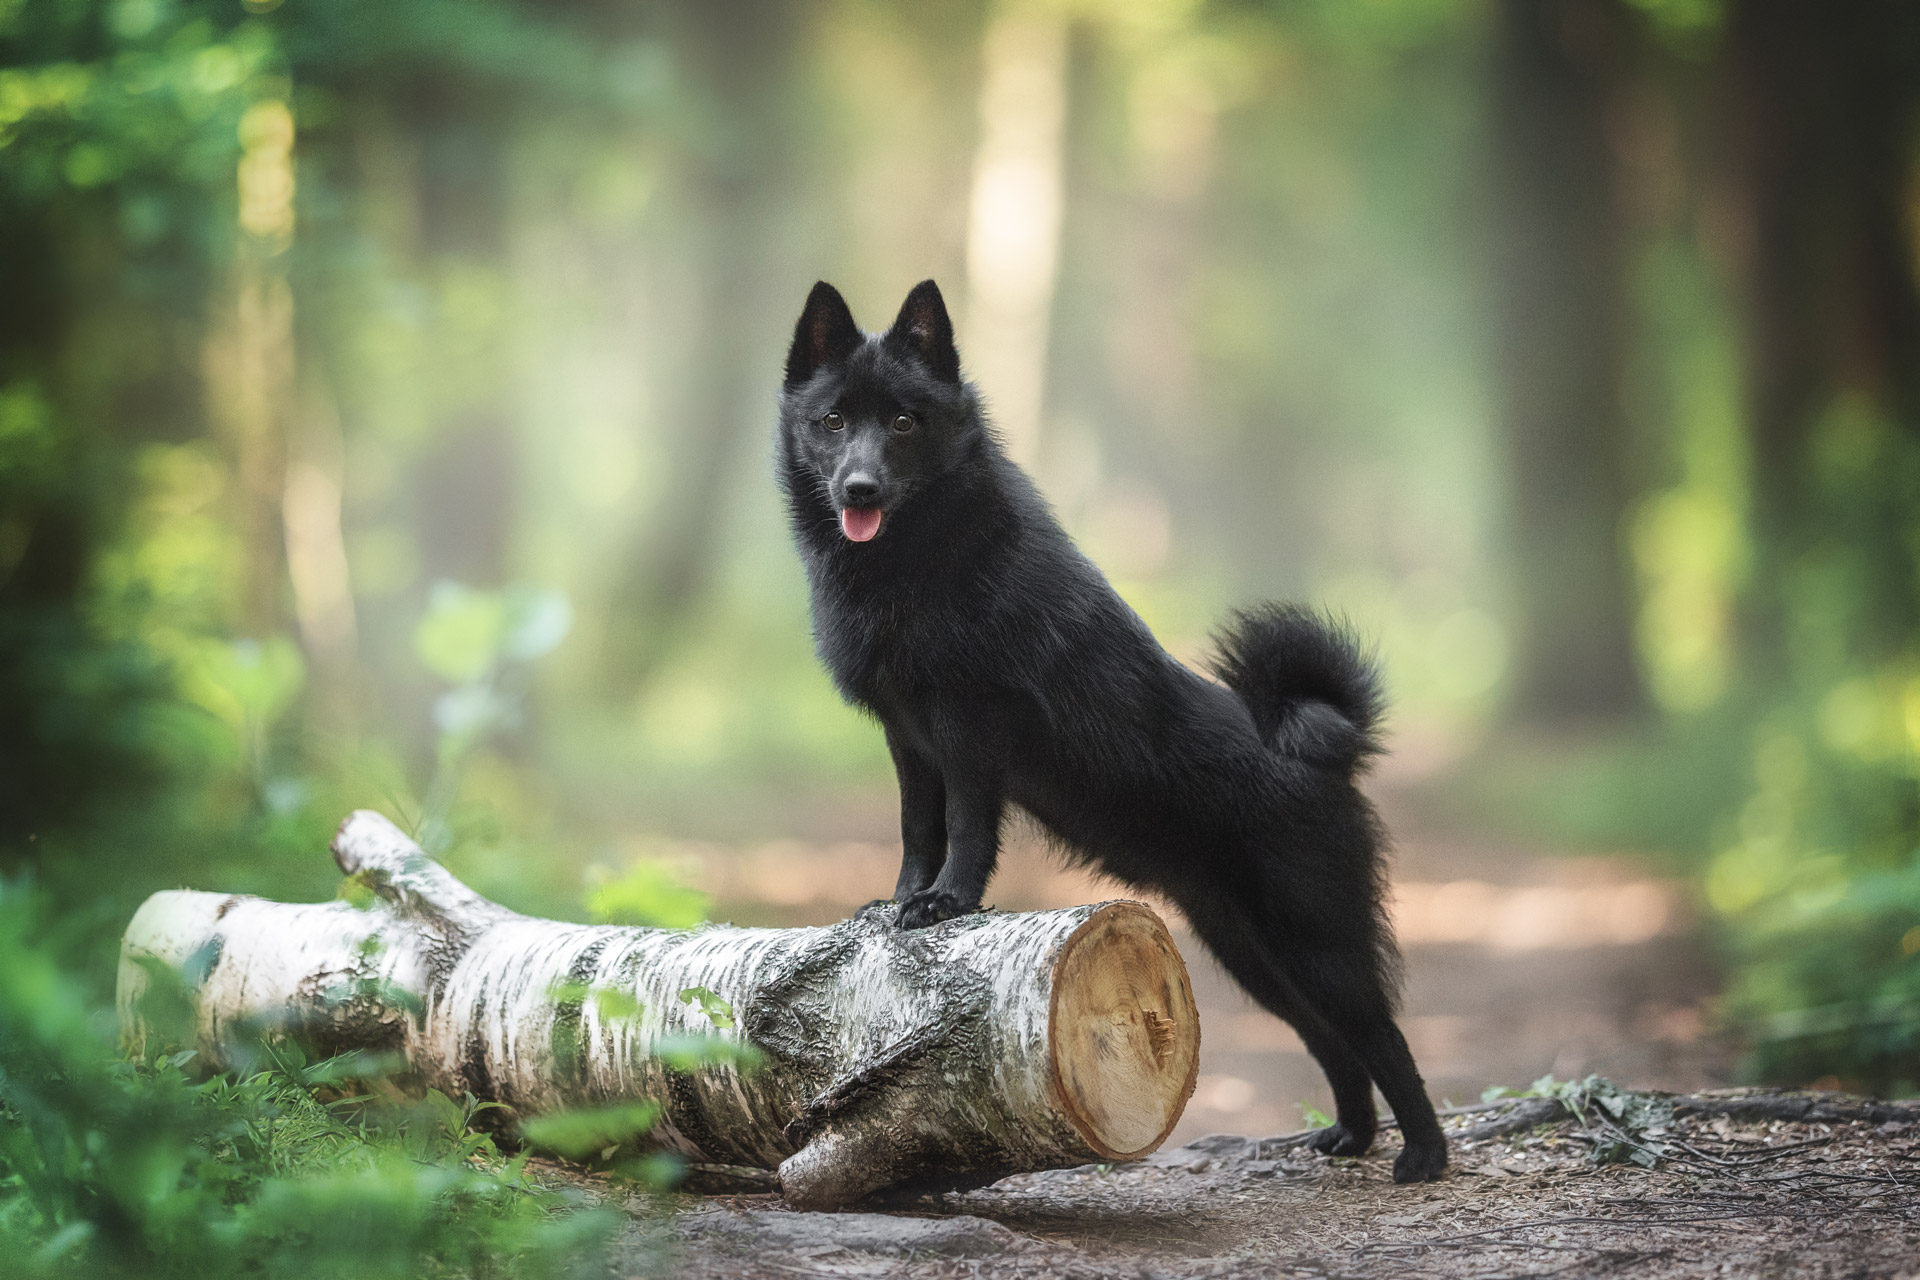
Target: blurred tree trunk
(739, 56)
(1013, 224)
(51, 527)
(465, 483)
(249, 364)
(1824, 105)
(419, 158)
(1559, 284)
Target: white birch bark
(988, 1045)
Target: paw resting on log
(988, 1045)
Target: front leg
(923, 818)
(975, 804)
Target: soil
(1747, 1183)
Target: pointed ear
(825, 335)
(923, 330)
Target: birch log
(991, 1044)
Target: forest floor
(1747, 1183)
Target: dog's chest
(875, 653)
(881, 646)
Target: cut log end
(1124, 1037)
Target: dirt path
(1518, 966)
(1834, 1192)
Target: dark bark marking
(889, 1066)
(564, 1040)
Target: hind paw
(1421, 1162)
(931, 906)
(1338, 1140)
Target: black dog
(949, 603)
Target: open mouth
(860, 524)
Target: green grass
(296, 1168)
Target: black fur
(1006, 671)
(1311, 692)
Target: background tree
(1558, 257)
(1822, 884)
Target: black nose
(862, 487)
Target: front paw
(931, 906)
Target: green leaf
(246, 683)
(718, 1011)
(612, 1003)
(357, 889)
(567, 991)
(537, 620)
(648, 894)
(356, 1064)
(584, 1132)
(166, 1005)
(460, 635)
(615, 1004)
(690, 1051)
(466, 633)
(657, 1170)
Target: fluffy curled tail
(1313, 692)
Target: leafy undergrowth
(1618, 1124)
(291, 1168)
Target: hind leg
(1354, 1120)
(1349, 992)
(1234, 940)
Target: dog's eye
(902, 424)
(833, 421)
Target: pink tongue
(859, 523)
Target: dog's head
(868, 420)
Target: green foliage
(718, 1011)
(614, 1004)
(611, 1003)
(599, 1131)
(648, 893)
(1828, 984)
(135, 1169)
(249, 685)
(689, 1051)
(466, 634)
(1623, 1125)
(481, 642)
(1816, 875)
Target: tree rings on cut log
(1123, 1035)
